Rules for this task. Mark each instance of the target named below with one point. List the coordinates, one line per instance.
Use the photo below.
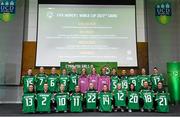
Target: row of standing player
(73, 79)
(104, 101)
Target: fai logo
(163, 12)
(7, 10)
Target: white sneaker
(142, 110)
(130, 110)
(115, 110)
(122, 110)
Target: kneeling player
(91, 98)
(120, 98)
(146, 97)
(28, 100)
(44, 100)
(105, 98)
(61, 99)
(133, 99)
(76, 99)
(162, 99)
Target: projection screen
(86, 33)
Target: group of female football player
(73, 92)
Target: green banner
(173, 71)
(89, 66)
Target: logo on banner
(163, 12)
(7, 10)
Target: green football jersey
(147, 96)
(76, 102)
(41, 78)
(26, 80)
(73, 81)
(124, 83)
(64, 79)
(44, 102)
(133, 100)
(52, 81)
(143, 78)
(114, 82)
(162, 102)
(91, 98)
(134, 79)
(105, 101)
(120, 97)
(28, 102)
(61, 101)
(155, 78)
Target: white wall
(32, 21)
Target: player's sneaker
(142, 110)
(122, 110)
(115, 110)
(129, 110)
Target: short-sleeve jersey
(105, 101)
(41, 78)
(114, 82)
(53, 80)
(26, 80)
(162, 102)
(91, 99)
(28, 102)
(64, 79)
(76, 102)
(61, 101)
(133, 100)
(44, 102)
(120, 97)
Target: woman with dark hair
(28, 100)
(133, 99)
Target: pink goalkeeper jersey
(103, 80)
(93, 78)
(83, 83)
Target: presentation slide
(86, 33)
